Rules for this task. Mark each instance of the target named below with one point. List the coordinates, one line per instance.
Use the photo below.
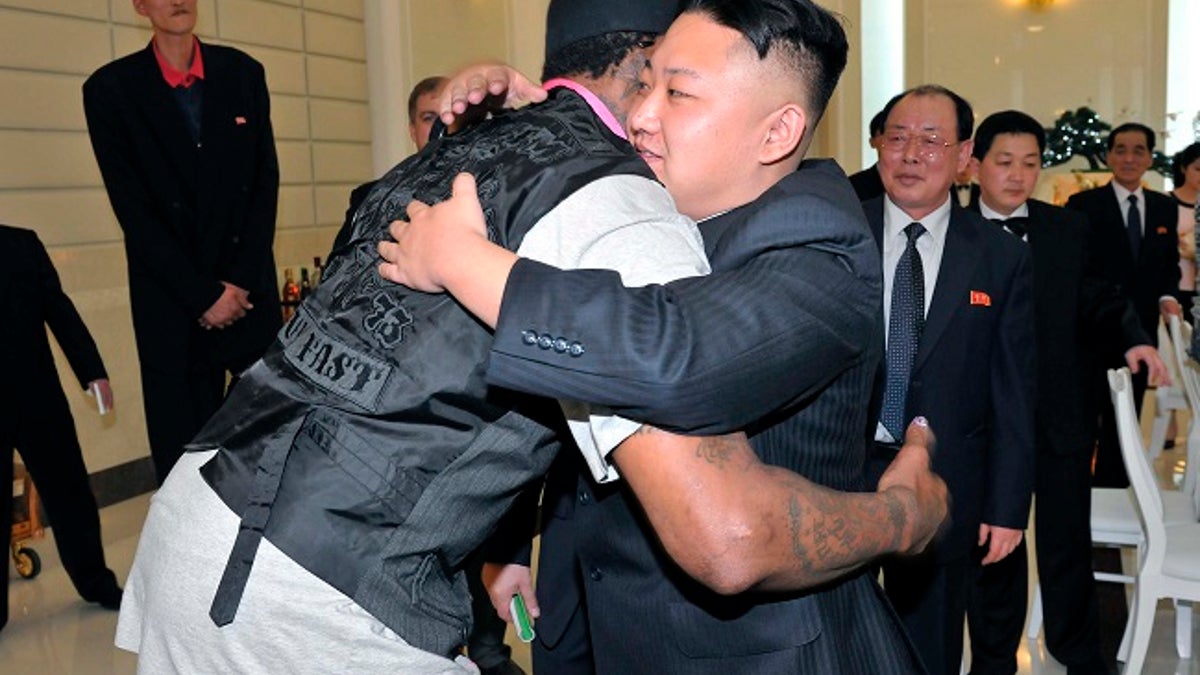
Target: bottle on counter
(290, 296)
(318, 270)
(305, 286)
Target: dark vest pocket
(759, 629)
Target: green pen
(521, 619)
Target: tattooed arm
(736, 524)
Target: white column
(389, 79)
(882, 41)
(1183, 96)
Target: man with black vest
(1072, 301)
(360, 462)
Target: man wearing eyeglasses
(958, 315)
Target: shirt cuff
(598, 432)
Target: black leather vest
(365, 444)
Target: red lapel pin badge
(980, 298)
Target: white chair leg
(1035, 614)
(1143, 625)
(1183, 628)
(1127, 636)
(1158, 432)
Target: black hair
(425, 86)
(965, 116)
(1006, 122)
(594, 56)
(879, 121)
(1130, 126)
(1182, 160)
(809, 38)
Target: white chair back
(1189, 372)
(1141, 475)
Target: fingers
(983, 534)
(414, 207)
(464, 184)
(920, 434)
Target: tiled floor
(52, 632)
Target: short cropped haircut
(964, 115)
(1131, 126)
(1006, 122)
(1182, 160)
(809, 39)
(879, 121)
(425, 86)
(594, 56)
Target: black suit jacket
(783, 339)
(1154, 274)
(868, 184)
(973, 376)
(193, 214)
(1072, 302)
(31, 299)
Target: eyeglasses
(929, 146)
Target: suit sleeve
(258, 226)
(704, 355)
(1013, 380)
(147, 238)
(64, 320)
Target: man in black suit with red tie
(1135, 238)
(960, 350)
(35, 418)
(182, 134)
(1072, 302)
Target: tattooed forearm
(834, 533)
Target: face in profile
(1130, 158)
(920, 153)
(170, 17)
(704, 104)
(1008, 173)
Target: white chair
(1167, 399)
(1169, 559)
(1189, 374)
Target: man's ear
(789, 125)
(412, 133)
(964, 155)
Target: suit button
(575, 349)
(529, 337)
(175, 205)
(560, 345)
(545, 341)
(235, 239)
(585, 497)
(596, 574)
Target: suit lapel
(153, 97)
(951, 292)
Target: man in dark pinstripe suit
(782, 341)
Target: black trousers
(931, 600)
(43, 432)
(178, 399)
(997, 605)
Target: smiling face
(169, 17)
(1008, 173)
(1130, 158)
(706, 115)
(920, 153)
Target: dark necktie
(1018, 225)
(905, 324)
(1133, 227)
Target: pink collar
(598, 106)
